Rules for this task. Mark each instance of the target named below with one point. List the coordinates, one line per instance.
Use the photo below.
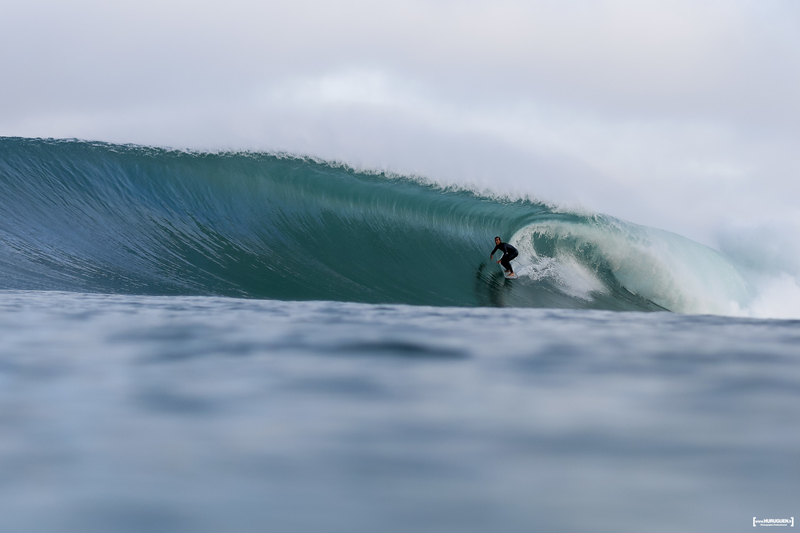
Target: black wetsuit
(509, 253)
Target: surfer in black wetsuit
(509, 253)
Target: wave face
(96, 217)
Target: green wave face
(95, 217)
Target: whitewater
(243, 341)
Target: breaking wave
(96, 217)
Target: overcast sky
(684, 115)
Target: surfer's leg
(508, 261)
(506, 264)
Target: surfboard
(507, 276)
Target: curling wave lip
(97, 217)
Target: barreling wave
(96, 217)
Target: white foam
(775, 297)
(667, 269)
(575, 279)
(768, 255)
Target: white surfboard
(507, 276)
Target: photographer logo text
(773, 522)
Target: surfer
(509, 253)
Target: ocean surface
(245, 342)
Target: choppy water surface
(135, 413)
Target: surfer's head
(497, 240)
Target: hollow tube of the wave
(96, 217)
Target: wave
(97, 217)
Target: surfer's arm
(491, 255)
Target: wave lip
(595, 255)
(96, 217)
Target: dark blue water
(125, 413)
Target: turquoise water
(105, 218)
